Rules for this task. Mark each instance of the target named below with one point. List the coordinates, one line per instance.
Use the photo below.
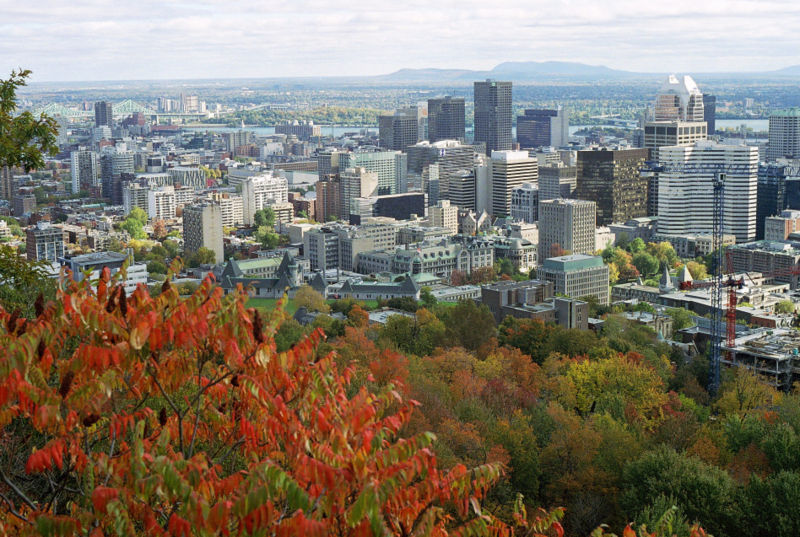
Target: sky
(61, 40)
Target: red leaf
(101, 496)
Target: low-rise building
(92, 264)
(577, 276)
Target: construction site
(771, 354)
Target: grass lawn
(269, 304)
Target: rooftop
(568, 263)
(789, 112)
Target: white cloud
(99, 39)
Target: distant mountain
(518, 71)
(792, 70)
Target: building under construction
(772, 354)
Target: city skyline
(211, 39)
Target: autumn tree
(307, 297)
(159, 229)
(171, 416)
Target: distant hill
(792, 70)
(519, 71)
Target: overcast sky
(148, 39)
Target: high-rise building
(261, 191)
(304, 131)
(444, 215)
(779, 227)
(537, 128)
(134, 194)
(568, 225)
(83, 166)
(577, 276)
(327, 163)
(668, 133)
(446, 119)
(612, 178)
(202, 228)
(44, 242)
(384, 163)
(679, 99)
(525, 203)
(6, 183)
(775, 193)
(114, 163)
(237, 139)
(161, 203)
(686, 205)
(493, 115)
(355, 183)
(509, 170)
(329, 198)
(452, 157)
(461, 189)
(399, 130)
(103, 114)
(557, 180)
(784, 134)
(188, 176)
(710, 112)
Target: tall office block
(784, 134)
(686, 204)
(113, 164)
(679, 99)
(537, 128)
(355, 183)
(6, 183)
(327, 163)
(44, 242)
(399, 130)
(83, 167)
(509, 170)
(568, 223)
(261, 191)
(525, 203)
(710, 112)
(384, 163)
(103, 114)
(202, 228)
(446, 119)
(329, 198)
(557, 180)
(612, 178)
(493, 115)
(461, 189)
(775, 193)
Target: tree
(697, 270)
(469, 325)
(24, 139)
(23, 281)
(637, 245)
(156, 267)
(171, 416)
(307, 297)
(203, 256)
(505, 266)
(134, 223)
(264, 218)
(159, 230)
(645, 263)
(681, 318)
(701, 491)
(267, 237)
(785, 307)
(426, 297)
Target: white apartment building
(161, 203)
(509, 170)
(686, 189)
(262, 191)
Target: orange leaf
(101, 496)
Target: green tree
(203, 256)
(156, 267)
(681, 318)
(24, 138)
(469, 325)
(426, 297)
(138, 214)
(785, 306)
(264, 217)
(768, 506)
(637, 245)
(267, 237)
(23, 281)
(505, 266)
(645, 263)
(701, 491)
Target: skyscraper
(784, 134)
(103, 113)
(774, 194)
(113, 164)
(687, 196)
(493, 115)
(384, 163)
(710, 112)
(569, 224)
(202, 228)
(83, 166)
(679, 120)
(509, 170)
(446, 119)
(679, 99)
(399, 130)
(539, 128)
(612, 178)
(525, 203)
(355, 183)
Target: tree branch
(17, 491)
